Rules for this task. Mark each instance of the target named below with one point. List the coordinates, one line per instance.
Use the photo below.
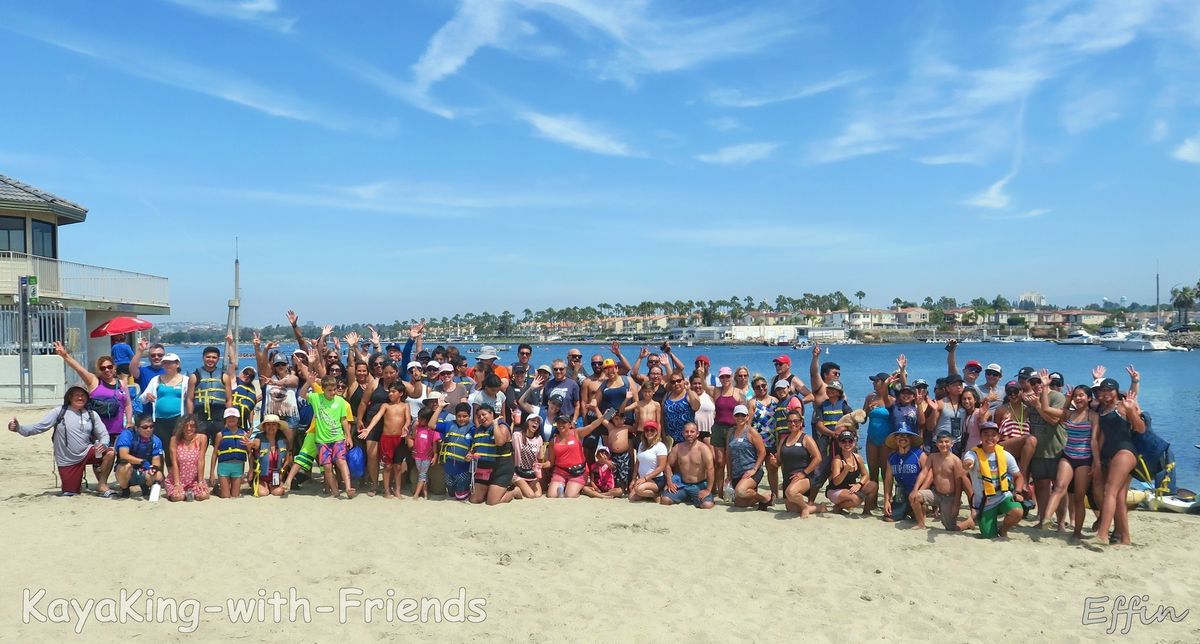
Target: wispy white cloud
(1091, 109)
(994, 196)
(948, 159)
(1029, 214)
(161, 68)
(1160, 130)
(938, 100)
(391, 85)
(626, 38)
(740, 154)
(783, 236)
(1188, 151)
(724, 124)
(260, 12)
(422, 199)
(737, 98)
(573, 131)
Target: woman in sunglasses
(109, 396)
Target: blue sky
(388, 160)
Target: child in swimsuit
(602, 484)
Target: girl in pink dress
(187, 452)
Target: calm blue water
(1170, 380)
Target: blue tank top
(677, 413)
(906, 467)
(612, 397)
(1079, 439)
(168, 401)
(742, 455)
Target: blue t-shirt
(905, 468)
(122, 353)
(141, 448)
(146, 373)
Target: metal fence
(50, 323)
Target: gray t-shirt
(75, 435)
(1051, 438)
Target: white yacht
(1079, 336)
(1143, 340)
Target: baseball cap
(650, 424)
(423, 355)
(297, 352)
(740, 409)
(845, 433)
(703, 358)
(995, 367)
(562, 418)
(920, 382)
(171, 357)
(974, 364)
(279, 359)
(945, 433)
(433, 364)
(232, 412)
(879, 377)
(545, 368)
(1056, 378)
(782, 383)
(952, 380)
(836, 384)
(1109, 383)
(724, 371)
(1097, 382)
(1012, 384)
(415, 365)
(1025, 373)
(393, 346)
(609, 362)
(783, 359)
(446, 368)
(989, 425)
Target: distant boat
(1078, 336)
(1144, 340)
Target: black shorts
(503, 470)
(210, 428)
(1043, 469)
(1076, 463)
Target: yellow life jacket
(996, 482)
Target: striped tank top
(1079, 439)
(1013, 427)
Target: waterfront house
(74, 298)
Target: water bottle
(155, 492)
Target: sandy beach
(550, 569)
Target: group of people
(656, 430)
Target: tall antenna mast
(234, 324)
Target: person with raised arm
(829, 405)
(1119, 418)
(80, 439)
(109, 396)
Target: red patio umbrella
(120, 325)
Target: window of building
(12, 234)
(44, 240)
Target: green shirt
(327, 417)
(1051, 438)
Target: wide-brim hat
(903, 431)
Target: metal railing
(72, 281)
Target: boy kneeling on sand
(997, 484)
(941, 483)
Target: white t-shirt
(972, 465)
(648, 460)
(706, 413)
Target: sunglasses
(575, 357)
(676, 381)
(157, 355)
(845, 440)
(796, 421)
(974, 369)
(597, 362)
(560, 368)
(993, 373)
(107, 367)
(762, 386)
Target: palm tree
(896, 302)
(859, 295)
(1183, 298)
